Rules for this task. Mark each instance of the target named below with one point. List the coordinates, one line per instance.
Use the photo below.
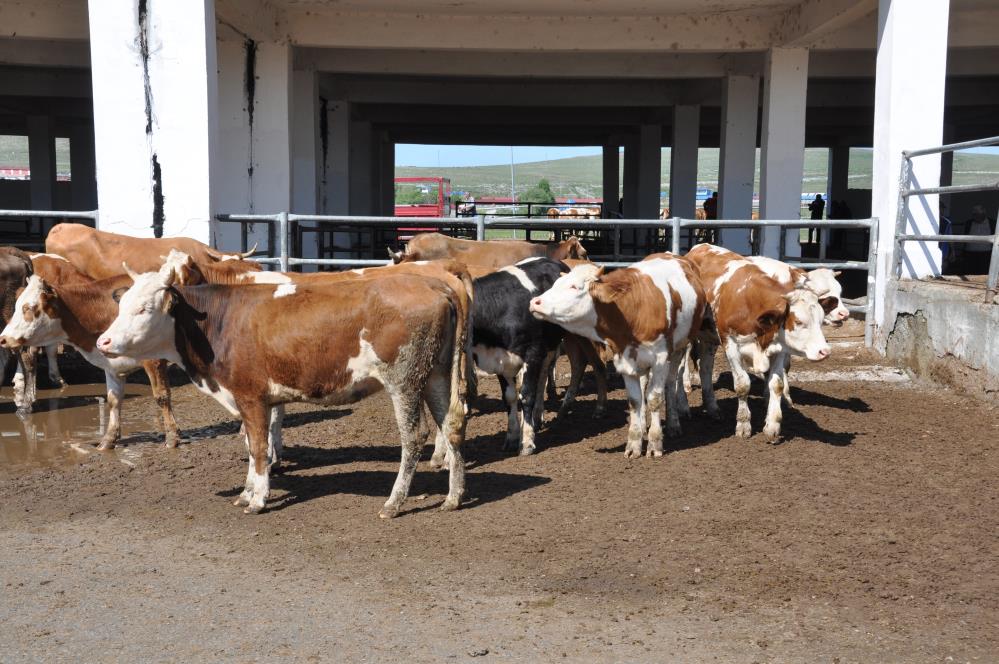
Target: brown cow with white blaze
(759, 322)
(100, 254)
(491, 253)
(645, 314)
(254, 347)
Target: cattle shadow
(805, 397)
(484, 488)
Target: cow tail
(460, 360)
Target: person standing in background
(977, 254)
(817, 207)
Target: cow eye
(573, 287)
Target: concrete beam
(73, 54)
(45, 82)
(908, 114)
(42, 161)
(250, 19)
(44, 19)
(804, 23)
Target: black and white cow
(512, 344)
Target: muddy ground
(870, 534)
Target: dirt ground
(871, 534)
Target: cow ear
(600, 271)
(828, 303)
(768, 319)
(836, 273)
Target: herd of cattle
(256, 340)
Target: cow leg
(577, 366)
(706, 369)
(539, 403)
(52, 357)
(508, 385)
(654, 404)
(275, 440)
(24, 381)
(680, 393)
(787, 383)
(777, 386)
(116, 394)
(674, 395)
(740, 378)
(531, 392)
(636, 412)
(551, 390)
(408, 413)
(30, 359)
(160, 382)
(256, 416)
(437, 395)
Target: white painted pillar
(255, 87)
(908, 114)
(737, 162)
(650, 146)
(782, 157)
(41, 160)
(611, 178)
(155, 116)
(683, 161)
(83, 169)
(305, 142)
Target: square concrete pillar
(908, 115)
(631, 168)
(361, 153)
(337, 194)
(839, 174)
(83, 168)
(155, 116)
(782, 157)
(42, 161)
(306, 144)
(737, 169)
(683, 161)
(650, 146)
(611, 178)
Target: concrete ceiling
(546, 7)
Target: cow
(76, 313)
(492, 253)
(252, 347)
(759, 322)
(645, 314)
(508, 342)
(15, 268)
(821, 281)
(100, 254)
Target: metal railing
(481, 223)
(905, 193)
(29, 215)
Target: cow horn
(249, 253)
(131, 273)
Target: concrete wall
(945, 334)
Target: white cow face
(144, 328)
(823, 283)
(568, 302)
(33, 322)
(804, 337)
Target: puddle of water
(63, 427)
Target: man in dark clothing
(817, 207)
(711, 207)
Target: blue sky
(480, 155)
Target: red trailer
(433, 196)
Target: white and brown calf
(759, 323)
(821, 281)
(646, 314)
(253, 347)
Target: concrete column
(908, 114)
(41, 160)
(361, 167)
(83, 168)
(737, 168)
(611, 178)
(683, 161)
(305, 142)
(386, 175)
(839, 173)
(650, 146)
(338, 158)
(631, 168)
(782, 157)
(255, 85)
(155, 116)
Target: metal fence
(905, 193)
(26, 238)
(673, 227)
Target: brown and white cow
(821, 281)
(758, 322)
(252, 347)
(76, 313)
(646, 314)
(100, 254)
(15, 268)
(491, 253)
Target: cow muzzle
(106, 346)
(11, 343)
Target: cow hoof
(527, 450)
(388, 512)
(450, 505)
(743, 430)
(772, 434)
(253, 509)
(652, 453)
(105, 445)
(437, 464)
(631, 453)
(172, 440)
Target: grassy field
(580, 177)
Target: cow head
(824, 284)
(569, 302)
(186, 271)
(35, 321)
(802, 329)
(571, 247)
(144, 328)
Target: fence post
(675, 222)
(617, 243)
(992, 285)
(283, 240)
(872, 280)
(480, 227)
(903, 204)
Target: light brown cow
(100, 254)
(491, 253)
(320, 343)
(759, 323)
(75, 313)
(646, 314)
